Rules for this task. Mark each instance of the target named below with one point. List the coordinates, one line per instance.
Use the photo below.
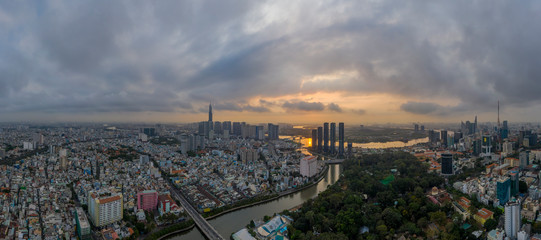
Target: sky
(270, 61)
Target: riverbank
(320, 176)
(318, 179)
(170, 232)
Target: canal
(234, 221)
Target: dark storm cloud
(260, 109)
(167, 56)
(420, 107)
(235, 107)
(428, 108)
(334, 107)
(303, 106)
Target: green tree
(422, 222)
(490, 224)
(391, 217)
(382, 230)
(438, 217)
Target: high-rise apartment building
(512, 219)
(333, 138)
(319, 139)
(259, 133)
(237, 129)
(226, 125)
(273, 132)
(218, 127)
(325, 137)
(308, 166)
(314, 139)
(148, 131)
(104, 207)
(341, 139)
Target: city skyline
(303, 62)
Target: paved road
(334, 161)
(201, 223)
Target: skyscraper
(201, 128)
(341, 139)
(512, 219)
(446, 163)
(314, 139)
(524, 159)
(259, 133)
(433, 137)
(333, 138)
(505, 130)
(210, 112)
(475, 126)
(273, 131)
(487, 145)
(226, 125)
(443, 137)
(218, 127)
(503, 190)
(514, 183)
(237, 129)
(326, 137)
(319, 139)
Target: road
(334, 161)
(201, 223)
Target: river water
(234, 221)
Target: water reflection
(307, 142)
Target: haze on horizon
(270, 61)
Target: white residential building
(308, 166)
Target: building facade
(308, 166)
(333, 138)
(104, 207)
(512, 219)
(147, 200)
(341, 139)
(83, 226)
(446, 163)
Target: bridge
(205, 227)
(334, 161)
